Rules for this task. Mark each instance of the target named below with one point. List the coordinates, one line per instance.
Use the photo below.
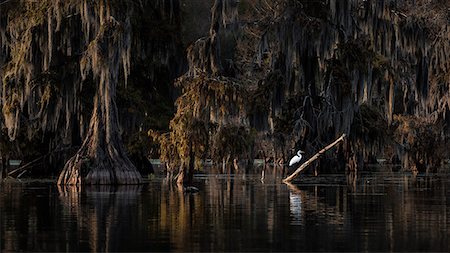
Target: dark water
(378, 212)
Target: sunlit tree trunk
(102, 158)
(236, 164)
(186, 173)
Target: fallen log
(312, 159)
(28, 165)
(23, 167)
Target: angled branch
(5, 2)
(312, 159)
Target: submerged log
(312, 159)
(23, 168)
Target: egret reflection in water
(384, 212)
(295, 206)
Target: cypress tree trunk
(1, 167)
(186, 173)
(102, 158)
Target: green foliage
(208, 113)
(357, 54)
(45, 42)
(233, 141)
(284, 123)
(370, 124)
(139, 144)
(23, 147)
(314, 8)
(340, 75)
(262, 97)
(421, 140)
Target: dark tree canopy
(260, 78)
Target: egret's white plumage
(296, 158)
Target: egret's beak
(302, 152)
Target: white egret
(296, 158)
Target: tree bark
(236, 164)
(224, 165)
(186, 173)
(190, 177)
(101, 158)
(4, 167)
(1, 167)
(181, 174)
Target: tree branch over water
(312, 159)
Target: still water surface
(374, 212)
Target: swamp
(224, 125)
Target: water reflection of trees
(381, 212)
(23, 217)
(230, 213)
(100, 212)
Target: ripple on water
(373, 212)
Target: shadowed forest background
(227, 80)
